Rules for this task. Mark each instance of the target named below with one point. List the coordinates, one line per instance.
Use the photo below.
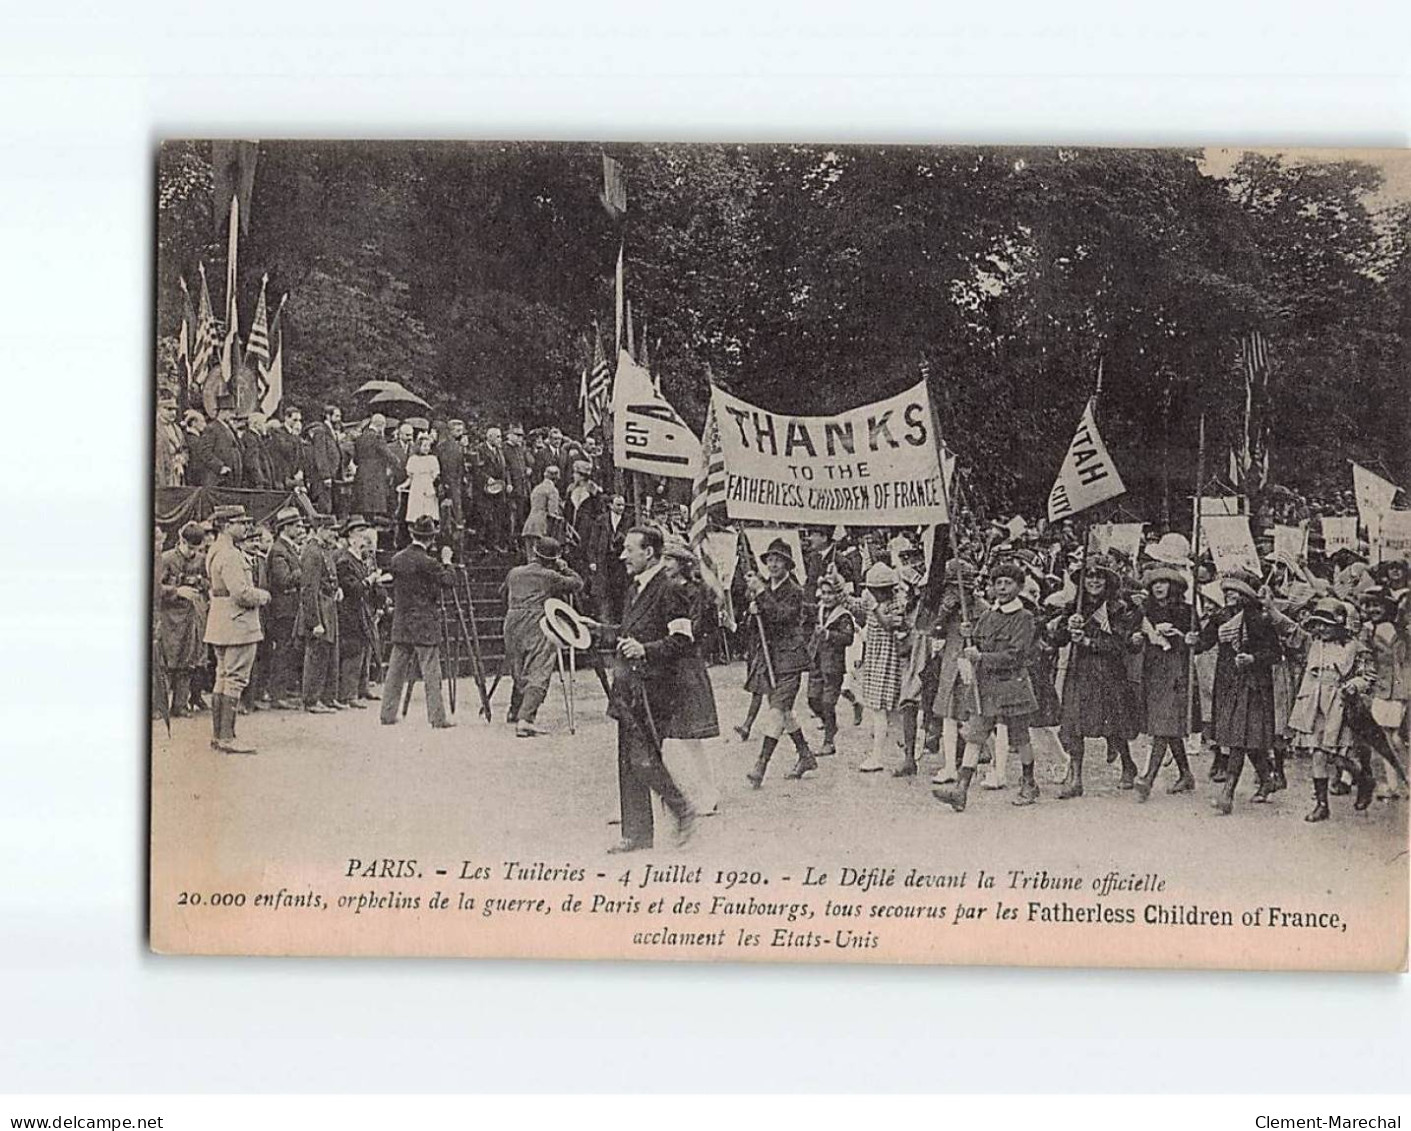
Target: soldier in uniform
(182, 589)
(530, 654)
(317, 623)
(232, 623)
(282, 569)
(417, 582)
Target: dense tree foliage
(814, 277)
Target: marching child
(1164, 639)
(833, 633)
(1336, 667)
(1003, 641)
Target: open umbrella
(377, 386)
(399, 394)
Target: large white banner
(1230, 543)
(1374, 495)
(1394, 536)
(875, 465)
(648, 435)
(1088, 475)
(1123, 537)
(1339, 533)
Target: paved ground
(327, 787)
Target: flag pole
(948, 493)
(1195, 576)
(1088, 526)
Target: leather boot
(1074, 786)
(1129, 768)
(956, 795)
(1219, 766)
(1320, 801)
(217, 721)
(1224, 801)
(1144, 783)
(1280, 781)
(181, 695)
(1264, 770)
(229, 743)
(1366, 782)
(766, 751)
(908, 739)
(1028, 787)
(806, 761)
(1185, 782)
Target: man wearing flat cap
(528, 652)
(232, 623)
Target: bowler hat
(548, 549)
(425, 527)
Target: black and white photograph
(781, 552)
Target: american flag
(204, 346)
(709, 491)
(595, 404)
(257, 344)
(1254, 454)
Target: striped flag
(595, 404)
(274, 374)
(710, 491)
(257, 344)
(1254, 454)
(203, 345)
(186, 338)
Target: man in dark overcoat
(283, 573)
(317, 624)
(417, 583)
(647, 689)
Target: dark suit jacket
(355, 610)
(327, 455)
(284, 582)
(372, 482)
(283, 452)
(258, 467)
(318, 589)
(417, 581)
(451, 456)
(518, 467)
(215, 448)
(647, 619)
(783, 612)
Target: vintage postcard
(780, 553)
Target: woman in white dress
(422, 471)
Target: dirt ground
(327, 787)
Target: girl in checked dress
(883, 605)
